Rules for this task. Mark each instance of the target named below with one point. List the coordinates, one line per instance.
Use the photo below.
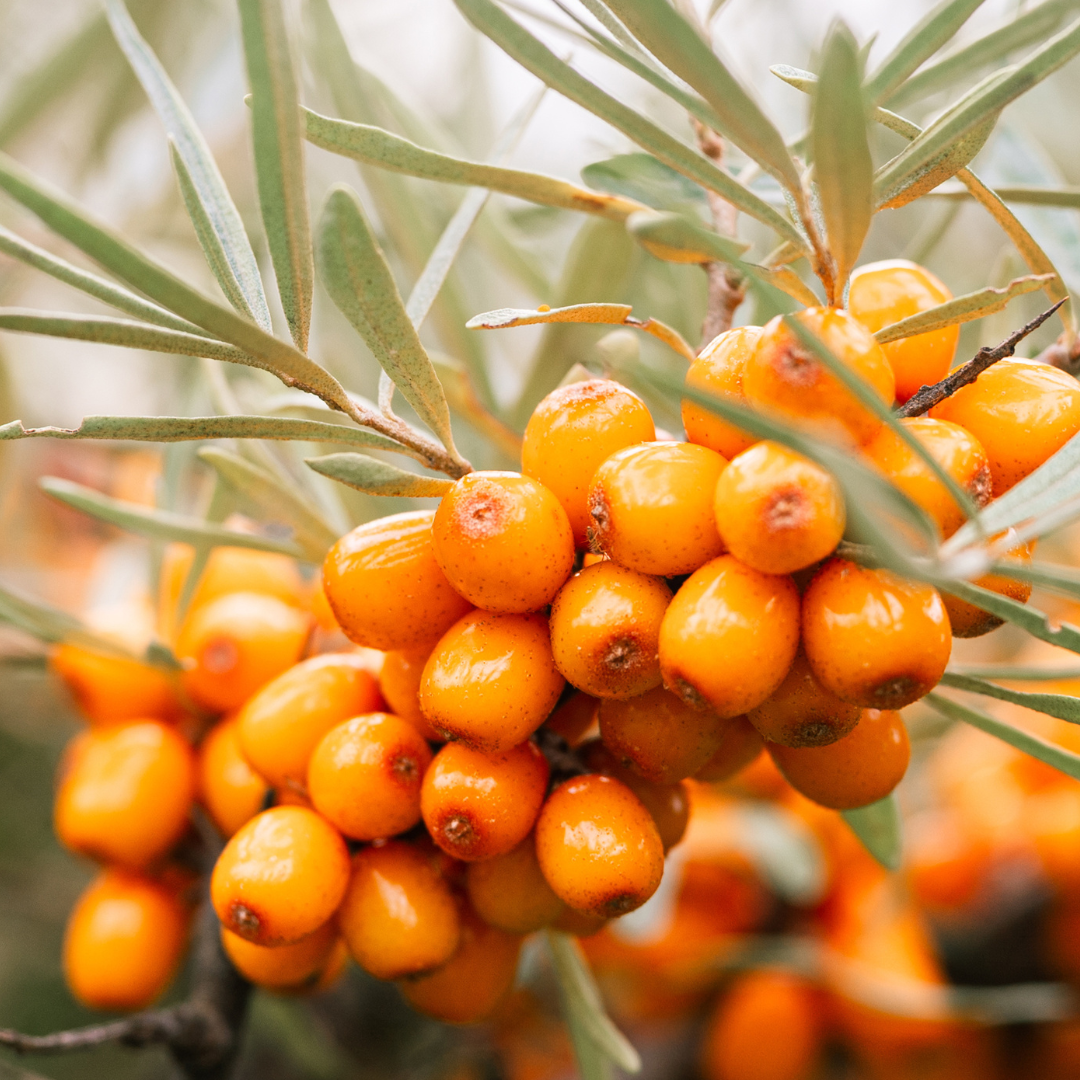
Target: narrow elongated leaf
(677, 238)
(878, 827)
(1063, 580)
(279, 158)
(642, 177)
(465, 401)
(376, 477)
(1062, 706)
(1014, 673)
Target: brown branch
(929, 396)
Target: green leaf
(1064, 580)
(677, 238)
(1025, 194)
(465, 401)
(376, 477)
(843, 169)
(1023, 673)
(878, 827)
(277, 129)
(217, 221)
(1062, 706)
(643, 178)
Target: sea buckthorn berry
(776, 511)
(280, 877)
(229, 788)
(719, 370)
(729, 636)
(385, 587)
(399, 681)
(883, 293)
(859, 769)
(605, 630)
(873, 638)
(124, 941)
(659, 736)
(740, 744)
(281, 725)
(470, 986)
(399, 916)
(574, 717)
(113, 689)
(968, 621)
(364, 776)
(510, 892)
(598, 846)
(570, 434)
(1021, 411)
(651, 507)
(783, 377)
(801, 712)
(283, 967)
(125, 793)
(236, 644)
(491, 680)
(504, 541)
(477, 806)
(954, 448)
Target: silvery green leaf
(1012, 672)
(878, 827)
(643, 178)
(1061, 706)
(376, 477)
(677, 238)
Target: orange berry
(282, 967)
(229, 788)
(573, 718)
(364, 776)
(282, 724)
(719, 370)
(399, 916)
(968, 621)
(125, 793)
(476, 806)
(1021, 411)
(385, 587)
(491, 681)
(113, 689)
(883, 293)
(323, 613)
(236, 644)
(776, 511)
(783, 377)
(873, 638)
(598, 846)
(124, 941)
(859, 769)
(510, 892)
(280, 877)
(570, 434)
(399, 681)
(605, 630)
(730, 611)
(651, 507)
(740, 744)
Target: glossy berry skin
(729, 637)
(859, 769)
(504, 541)
(872, 638)
(571, 433)
(968, 621)
(954, 448)
(739, 746)
(491, 681)
(651, 507)
(285, 967)
(659, 736)
(281, 725)
(1021, 411)
(605, 630)
(573, 718)
(399, 681)
(510, 893)
(883, 293)
(124, 941)
(776, 511)
(598, 846)
(125, 792)
(236, 644)
(719, 370)
(114, 689)
(477, 806)
(229, 788)
(399, 916)
(364, 776)
(386, 588)
(783, 378)
(280, 877)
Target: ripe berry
(114, 689)
(125, 792)
(573, 718)
(651, 507)
(504, 541)
(477, 806)
(749, 619)
(385, 587)
(510, 893)
(598, 846)
(280, 877)
(776, 511)
(229, 788)
(605, 630)
(719, 370)
(740, 745)
(364, 776)
(968, 621)
(491, 681)
(783, 377)
(872, 638)
(570, 434)
(399, 681)
(283, 967)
